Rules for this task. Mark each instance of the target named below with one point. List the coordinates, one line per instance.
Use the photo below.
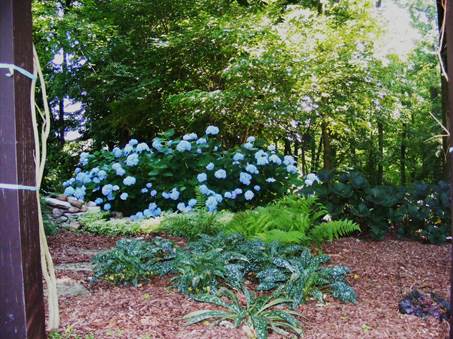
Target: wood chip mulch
(382, 273)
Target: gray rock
(62, 197)
(74, 225)
(74, 202)
(57, 203)
(61, 219)
(57, 213)
(77, 267)
(73, 209)
(68, 287)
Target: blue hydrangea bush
(143, 180)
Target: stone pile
(65, 210)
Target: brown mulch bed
(382, 273)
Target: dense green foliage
(211, 262)
(260, 314)
(302, 74)
(418, 211)
(291, 220)
(101, 223)
(193, 225)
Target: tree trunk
(328, 161)
(403, 156)
(380, 169)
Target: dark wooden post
(449, 36)
(21, 294)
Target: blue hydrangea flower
(102, 175)
(227, 195)
(183, 146)
(248, 146)
(80, 193)
(270, 180)
(128, 149)
(152, 206)
(144, 190)
(238, 156)
(84, 157)
(251, 139)
(211, 204)
(124, 196)
(237, 191)
(83, 177)
(288, 160)
(107, 189)
(291, 169)
(190, 137)
(149, 185)
(251, 169)
(218, 197)
(202, 177)
(107, 207)
(157, 144)
(129, 181)
(261, 158)
(115, 188)
(157, 212)
(133, 142)
(96, 180)
(165, 195)
(77, 170)
(142, 147)
(201, 141)
(210, 166)
(271, 148)
(99, 201)
(248, 195)
(148, 213)
(69, 191)
(120, 172)
(181, 207)
(199, 151)
(204, 189)
(132, 160)
(220, 174)
(245, 178)
(174, 195)
(153, 193)
(212, 130)
(110, 196)
(117, 152)
(275, 159)
(257, 188)
(68, 182)
(192, 202)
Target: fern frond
(332, 230)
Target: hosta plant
(260, 314)
(134, 261)
(142, 180)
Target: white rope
(12, 68)
(18, 187)
(47, 266)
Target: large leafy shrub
(291, 220)
(212, 262)
(175, 174)
(418, 211)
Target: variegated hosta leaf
(259, 324)
(197, 316)
(343, 292)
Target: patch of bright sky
(399, 35)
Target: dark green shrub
(417, 211)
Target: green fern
(291, 220)
(332, 230)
